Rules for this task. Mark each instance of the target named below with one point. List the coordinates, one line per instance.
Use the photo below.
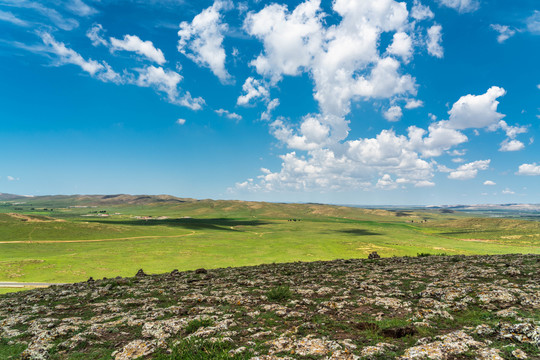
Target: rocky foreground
(426, 307)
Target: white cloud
(342, 59)
(440, 138)
(421, 12)
(511, 131)
(267, 114)
(434, 46)
(424, 183)
(386, 183)
(101, 71)
(253, 89)
(162, 80)
(504, 32)
(135, 44)
(188, 101)
(291, 40)
(533, 22)
(401, 46)
(529, 169)
(413, 104)
(11, 178)
(511, 145)
(346, 64)
(476, 111)
(94, 34)
(489, 183)
(228, 114)
(470, 170)
(181, 121)
(507, 191)
(462, 6)
(394, 113)
(202, 39)
(130, 43)
(60, 21)
(9, 17)
(78, 7)
(457, 152)
(458, 160)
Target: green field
(68, 244)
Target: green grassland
(68, 244)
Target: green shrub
(279, 293)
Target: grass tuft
(279, 293)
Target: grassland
(71, 243)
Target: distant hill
(117, 199)
(8, 197)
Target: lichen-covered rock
(134, 350)
(333, 308)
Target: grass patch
(10, 352)
(201, 350)
(279, 293)
(196, 324)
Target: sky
(366, 102)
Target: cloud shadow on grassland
(222, 224)
(358, 232)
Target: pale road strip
(93, 240)
(12, 284)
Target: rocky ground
(425, 307)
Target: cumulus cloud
(162, 80)
(94, 34)
(511, 131)
(253, 89)
(508, 191)
(394, 113)
(529, 169)
(291, 40)
(202, 39)
(130, 43)
(181, 121)
(11, 178)
(504, 32)
(511, 145)
(228, 114)
(401, 46)
(345, 64)
(342, 59)
(267, 114)
(135, 44)
(434, 41)
(166, 81)
(462, 6)
(421, 12)
(489, 183)
(476, 111)
(470, 170)
(413, 104)
(386, 183)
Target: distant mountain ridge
(116, 199)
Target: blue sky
(345, 101)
